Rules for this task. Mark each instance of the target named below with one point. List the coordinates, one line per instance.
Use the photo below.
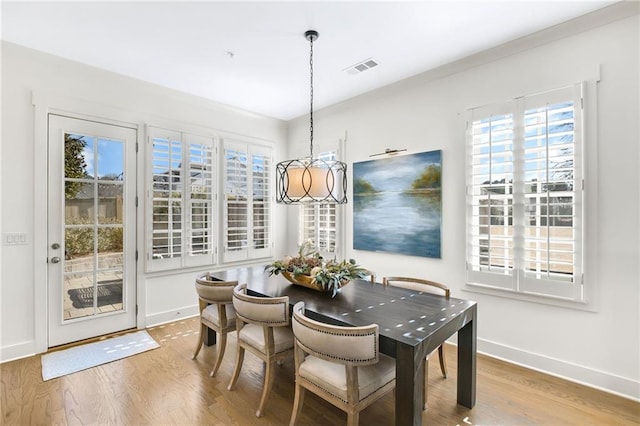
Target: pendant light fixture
(311, 180)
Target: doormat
(108, 294)
(77, 358)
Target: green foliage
(302, 264)
(111, 240)
(429, 179)
(79, 241)
(74, 165)
(331, 275)
(361, 186)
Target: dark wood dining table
(411, 324)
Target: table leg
(210, 337)
(467, 363)
(409, 385)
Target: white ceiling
(253, 55)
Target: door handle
(55, 259)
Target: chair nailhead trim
(338, 396)
(325, 390)
(330, 356)
(282, 321)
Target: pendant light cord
(311, 99)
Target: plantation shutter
(166, 194)
(201, 216)
(490, 195)
(236, 188)
(552, 260)
(307, 224)
(181, 199)
(247, 203)
(524, 195)
(318, 225)
(261, 207)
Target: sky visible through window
(109, 161)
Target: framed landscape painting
(398, 204)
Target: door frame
(46, 103)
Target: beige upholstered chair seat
(333, 379)
(210, 315)
(254, 336)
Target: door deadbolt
(55, 246)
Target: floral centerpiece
(308, 268)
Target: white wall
(427, 112)
(26, 71)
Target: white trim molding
(154, 320)
(580, 374)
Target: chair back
(418, 284)
(270, 311)
(369, 273)
(343, 345)
(211, 290)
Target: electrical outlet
(14, 238)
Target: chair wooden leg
(426, 384)
(268, 384)
(353, 419)
(203, 330)
(222, 344)
(236, 371)
(443, 365)
(298, 400)
(443, 368)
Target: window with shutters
(261, 203)
(247, 201)
(524, 195)
(319, 222)
(181, 197)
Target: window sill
(529, 297)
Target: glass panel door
(91, 229)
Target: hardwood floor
(164, 386)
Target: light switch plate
(14, 238)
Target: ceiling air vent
(362, 66)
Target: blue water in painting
(398, 222)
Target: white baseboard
(601, 380)
(173, 315)
(14, 352)
(27, 349)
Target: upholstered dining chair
(429, 287)
(216, 313)
(263, 329)
(339, 364)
